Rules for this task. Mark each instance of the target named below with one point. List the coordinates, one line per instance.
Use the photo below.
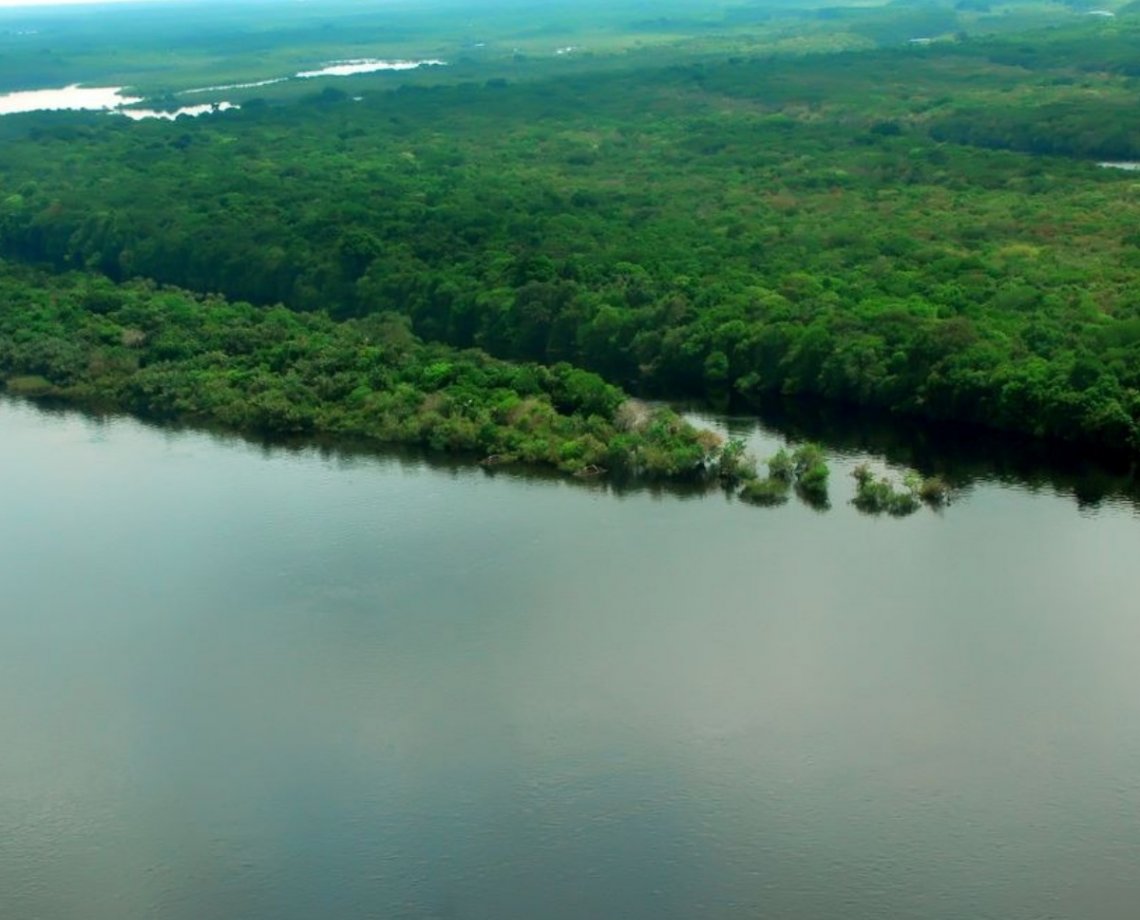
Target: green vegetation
(767, 491)
(168, 354)
(804, 470)
(875, 496)
(736, 465)
(158, 49)
(933, 490)
(693, 208)
(811, 474)
(731, 229)
(774, 488)
(781, 467)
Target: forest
(917, 228)
(167, 354)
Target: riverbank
(163, 353)
(167, 355)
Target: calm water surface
(283, 684)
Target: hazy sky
(54, 2)
(6, 3)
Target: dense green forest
(838, 225)
(165, 353)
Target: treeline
(164, 353)
(732, 230)
(1089, 128)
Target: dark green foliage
(734, 228)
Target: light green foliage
(811, 473)
(781, 466)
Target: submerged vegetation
(767, 491)
(878, 495)
(804, 471)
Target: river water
(272, 684)
(111, 99)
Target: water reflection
(112, 99)
(299, 680)
(191, 111)
(108, 99)
(366, 65)
(74, 97)
(965, 456)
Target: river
(112, 100)
(272, 683)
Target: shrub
(735, 464)
(876, 496)
(811, 474)
(935, 491)
(768, 491)
(781, 466)
(806, 469)
(808, 456)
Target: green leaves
(816, 227)
(169, 354)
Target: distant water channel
(111, 99)
(284, 684)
